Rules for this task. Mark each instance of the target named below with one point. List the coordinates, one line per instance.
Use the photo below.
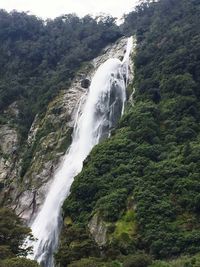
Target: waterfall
(102, 109)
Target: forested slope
(142, 184)
(38, 58)
(139, 190)
(38, 61)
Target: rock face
(98, 230)
(25, 178)
(8, 150)
(9, 140)
(9, 145)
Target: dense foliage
(12, 236)
(142, 184)
(151, 164)
(38, 57)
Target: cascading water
(103, 107)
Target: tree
(12, 234)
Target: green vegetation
(12, 236)
(143, 182)
(153, 156)
(184, 261)
(137, 260)
(75, 242)
(126, 224)
(18, 262)
(38, 58)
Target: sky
(53, 8)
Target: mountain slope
(142, 185)
(39, 60)
(136, 202)
(42, 66)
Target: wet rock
(85, 83)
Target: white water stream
(103, 107)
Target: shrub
(137, 260)
(18, 262)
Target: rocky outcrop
(29, 175)
(98, 230)
(9, 140)
(8, 147)
(48, 140)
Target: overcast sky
(54, 8)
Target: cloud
(54, 8)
